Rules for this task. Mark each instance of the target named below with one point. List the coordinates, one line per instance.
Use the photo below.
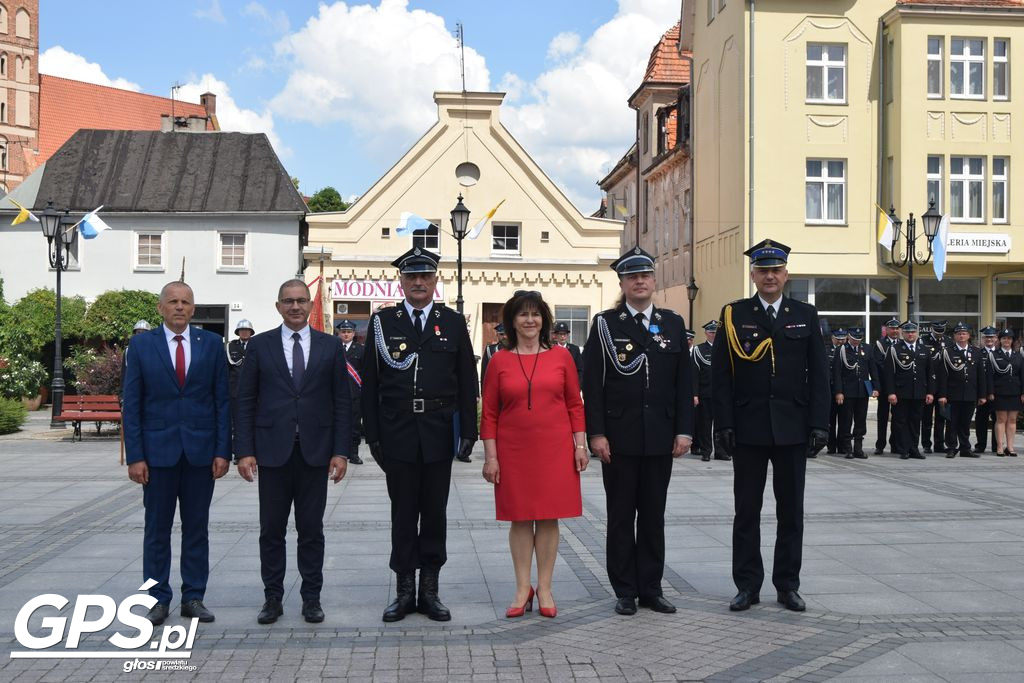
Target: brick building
(19, 90)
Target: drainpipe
(693, 181)
(750, 139)
(639, 158)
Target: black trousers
(883, 423)
(906, 425)
(833, 424)
(958, 434)
(931, 414)
(984, 422)
(636, 488)
(852, 414)
(300, 484)
(750, 472)
(703, 426)
(419, 514)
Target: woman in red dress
(534, 435)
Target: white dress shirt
(767, 305)
(172, 345)
(287, 342)
(647, 314)
(409, 308)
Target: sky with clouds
(343, 89)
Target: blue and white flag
(409, 223)
(939, 248)
(92, 225)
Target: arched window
(3, 64)
(22, 69)
(3, 153)
(3, 112)
(22, 25)
(3, 19)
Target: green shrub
(21, 377)
(114, 313)
(96, 372)
(12, 415)
(30, 323)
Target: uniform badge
(622, 316)
(657, 316)
(401, 347)
(629, 347)
(395, 354)
(755, 334)
(622, 358)
(654, 329)
(398, 313)
(437, 312)
(786, 309)
(747, 346)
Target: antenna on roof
(182, 268)
(461, 34)
(175, 87)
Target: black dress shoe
(355, 459)
(878, 451)
(792, 600)
(927, 449)
(950, 454)
(157, 614)
(722, 457)
(969, 454)
(705, 458)
(743, 600)
(312, 611)
(903, 456)
(626, 606)
(195, 609)
(658, 603)
(849, 456)
(979, 448)
(272, 609)
(917, 456)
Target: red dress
(536, 452)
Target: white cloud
(277, 21)
(230, 115)
(375, 68)
(213, 12)
(56, 61)
(563, 45)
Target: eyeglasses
(292, 302)
(526, 292)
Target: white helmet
(141, 325)
(244, 324)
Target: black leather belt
(425, 405)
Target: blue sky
(344, 88)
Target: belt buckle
(418, 406)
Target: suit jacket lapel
(277, 351)
(782, 317)
(197, 352)
(760, 314)
(164, 352)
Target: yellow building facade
(790, 141)
(536, 240)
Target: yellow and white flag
(23, 215)
(886, 230)
(478, 228)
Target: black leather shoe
(927, 449)
(792, 600)
(950, 454)
(355, 459)
(743, 600)
(917, 456)
(979, 448)
(658, 603)
(195, 609)
(722, 457)
(626, 606)
(405, 599)
(903, 456)
(157, 614)
(272, 609)
(427, 602)
(970, 454)
(312, 611)
(878, 451)
(705, 458)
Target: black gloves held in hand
(465, 448)
(725, 442)
(818, 440)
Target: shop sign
(978, 243)
(361, 290)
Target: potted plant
(22, 378)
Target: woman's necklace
(529, 378)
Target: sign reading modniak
(390, 290)
(978, 243)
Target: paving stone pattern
(913, 570)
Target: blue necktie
(298, 361)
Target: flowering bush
(21, 377)
(12, 415)
(96, 372)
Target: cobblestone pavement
(913, 570)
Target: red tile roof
(66, 106)
(964, 3)
(665, 64)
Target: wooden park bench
(97, 408)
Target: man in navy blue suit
(293, 423)
(177, 437)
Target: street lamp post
(931, 219)
(59, 233)
(460, 222)
(691, 294)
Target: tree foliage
(326, 199)
(114, 313)
(28, 325)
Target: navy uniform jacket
(443, 376)
(1010, 382)
(961, 374)
(830, 357)
(577, 358)
(850, 382)
(987, 370)
(489, 351)
(269, 409)
(764, 406)
(879, 354)
(236, 357)
(913, 383)
(354, 353)
(702, 364)
(641, 413)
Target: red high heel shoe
(513, 612)
(549, 612)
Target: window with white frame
(826, 73)
(712, 9)
(935, 65)
(967, 68)
(1000, 188)
(429, 238)
(826, 191)
(934, 193)
(232, 251)
(150, 250)
(578, 320)
(1001, 69)
(505, 239)
(967, 189)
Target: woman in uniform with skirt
(1008, 383)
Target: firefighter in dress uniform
(852, 374)
(908, 385)
(704, 415)
(963, 384)
(346, 331)
(879, 352)
(985, 416)
(837, 340)
(935, 415)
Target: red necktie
(179, 361)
